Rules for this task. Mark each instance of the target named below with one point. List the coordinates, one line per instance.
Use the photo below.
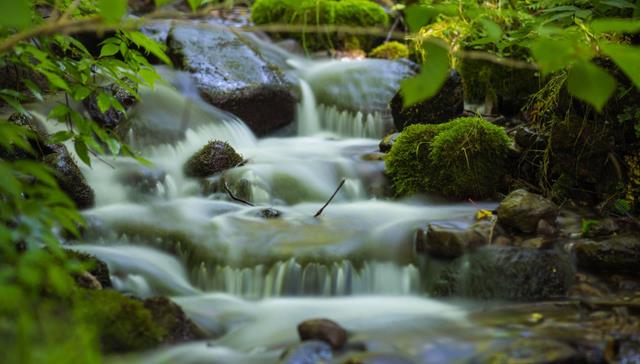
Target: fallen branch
(330, 199)
(233, 197)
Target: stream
(248, 275)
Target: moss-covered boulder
(170, 316)
(464, 158)
(213, 158)
(70, 178)
(390, 50)
(506, 88)
(95, 267)
(446, 105)
(312, 13)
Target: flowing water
(249, 280)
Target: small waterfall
(354, 124)
(308, 118)
(290, 278)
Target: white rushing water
(247, 279)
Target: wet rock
(291, 46)
(112, 117)
(213, 158)
(545, 229)
(270, 213)
(97, 268)
(539, 351)
(506, 273)
(142, 180)
(373, 157)
(620, 254)
(602, 228)
(446, 105)
(323, 330)
(450, 242)
(387, 142)
(308, 352)
(540, 242)
(87, 280)
(170, 316)
(70, 178)
(523, 210)
(232, 75)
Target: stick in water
(330, 199)
(233, 197)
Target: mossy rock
(213, 158)
(70, 178)
(311, 13)
(391, 50)
(123, 324)
(170, 316)
(464, 158)
(509, 88)
(97, 268)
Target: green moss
(122, 323)
(215, 157)
(390, 50)
(408, 160)
(311, 13)
(466, 157)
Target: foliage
(390, 50)
(38, 61)
(465, 157)
(310, 14)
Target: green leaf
(553, 54)
(615, 25)
(626, 57)
(149, 45)
(590, 83)
(61, 136)
(194, 4)
(80, 92)
(82, 150)
(112, 10)
(418, 16)
(15, 13)
(104, 102)
(35, 90)
(109, 50)
(433, 74)
(58, 113)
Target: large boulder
(70, 178)
(506, 273)
(323, 330)
(446, 105)
(233, 76)
(213, 158)
(620, 254)
(523, 210)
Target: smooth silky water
(246, 280)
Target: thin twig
(100, 159)
(330, 199)
(233, 197)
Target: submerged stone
(446, 105)
(323, 330)
(213, 158)
(233, 76)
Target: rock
(97, 268)
(87, 280)
(545, 229)
(170, 316)
(308, 352)
(539, 242)
(387, 142)
(510, 273)
(530, 350)
(528, 138)
(70, 178)
(373, 157)
(141, 7)
(142, 180)
(523, 210)
(270, 213)
(445, 106)
(323, 330)
(620, 254)
(602, 228)
(233, 76)
(291, 46)
(213, 158)
(447, 242)
(390, 50)
(112, 117)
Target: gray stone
(231, 74)
(522, 210)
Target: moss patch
(213, 158)
(312, 13)
(466, 157)
(390, 50)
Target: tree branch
(330, 199)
